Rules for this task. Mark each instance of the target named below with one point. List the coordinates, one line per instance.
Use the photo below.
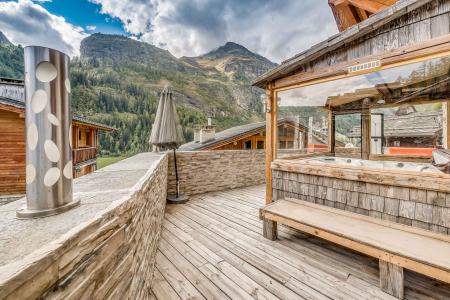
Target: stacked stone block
(414, 207)
(208, 171)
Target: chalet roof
(377, 20)
(228, 134)
(12, 97)
(416, 124)
(242, 131)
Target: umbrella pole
(176, 171)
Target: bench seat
(397, 246)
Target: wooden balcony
(212, 247)
(84, 154)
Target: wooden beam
(331, 131)
(446, 124)
(391, 279)
(271, 127)
(368, 5)
(365, 130)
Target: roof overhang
(18, 107)
(331, 44)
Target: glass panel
(404, 111)
(301, 130)
(389, 86)
(409, 130)
(348, 135)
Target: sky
(276, 29)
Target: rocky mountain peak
(233, 49)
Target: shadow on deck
(212, 247)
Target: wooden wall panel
(12, 153)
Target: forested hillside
(117, 81)
(11, 59)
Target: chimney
(197, 134)
(208, 132)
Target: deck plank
(212, 247)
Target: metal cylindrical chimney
(48, 124)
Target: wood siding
(12, 153)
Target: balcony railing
(84, 154)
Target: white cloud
(91, 27)
(27, 23)
(192, 27)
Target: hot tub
(400, 166)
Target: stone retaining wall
(107, 246)
(420, 208)
(208, 171)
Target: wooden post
(331, 132)
(365, 130)
(391, 279)
(446, 125)
(271, 126)
(270, 227)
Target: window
(348, 135)
(408, 130)
(260, 144)
(402, 110)
(248, 145)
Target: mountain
(115, 49)
(4, 40)
(233, 60)
(117, 81)
(11, 59)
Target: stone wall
(208, 171)
(103, 249)
(420, 208)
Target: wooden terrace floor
(212, 248)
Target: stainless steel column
(48, 133)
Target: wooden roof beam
(368, 5)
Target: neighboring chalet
(412, 132)
(292, 135)
(12, 136)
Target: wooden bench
(396, 246)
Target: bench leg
(391, 279)
(270, 230)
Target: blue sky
(276, 29)
(86, 14)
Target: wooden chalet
(293, 137)
(387, 206)
(85, 140)
(409, 133)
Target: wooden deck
(212, 248)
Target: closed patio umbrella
(167, 135)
